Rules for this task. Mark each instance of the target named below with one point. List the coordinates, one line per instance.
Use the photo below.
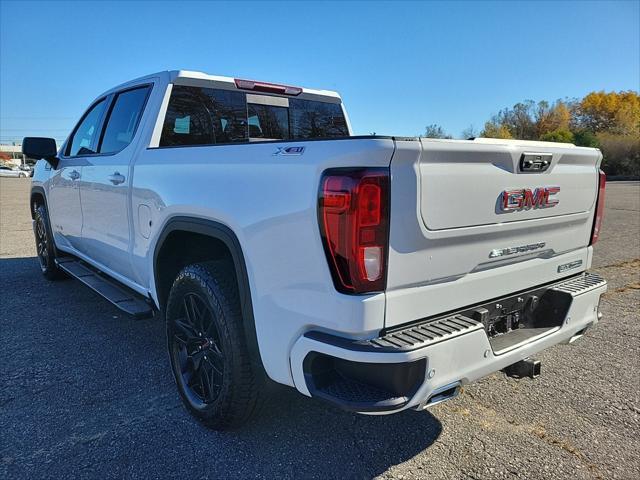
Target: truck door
(105, 185)
(64, 195)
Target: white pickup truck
(376, 273)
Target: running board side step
(122, 297)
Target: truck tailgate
(468, 216)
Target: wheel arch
(223, 235)
(37, 196)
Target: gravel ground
(87, 392)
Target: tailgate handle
(535, 162)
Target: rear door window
(123, 119)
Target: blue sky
(399, 66)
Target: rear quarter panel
(270, 202)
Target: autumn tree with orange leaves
(606, 120)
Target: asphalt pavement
(86, 392)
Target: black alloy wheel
(196, 349)
(42, 241)
(45, 249)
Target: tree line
(609, 121)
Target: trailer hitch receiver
(529, 367)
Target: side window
(310, 119)
(204, 116)
(268, 122)
(123, 119)
(85, 136)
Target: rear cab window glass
(268, 122)
(85, 136)
(310, 119)
(207, 116)
(123, 119)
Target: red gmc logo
(526, 198)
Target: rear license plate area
(512, 320)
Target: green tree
(560, 135)
(585, 138)
(494, 129)
(435, 131)
(621, 153)
(469, 132)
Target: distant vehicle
(15, 172)
(27, 168)
(376, 273)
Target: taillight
(353, 212)
(597, 221)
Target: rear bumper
(426, 370)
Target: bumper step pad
(582, 284)
(409, 338)
(123, 298)
(424, 334)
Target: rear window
(206, 116)
(268, 122)
(311, 119)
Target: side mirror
(40, 147)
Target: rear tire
(208, 351)
(45, 247)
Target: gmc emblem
(525, 198)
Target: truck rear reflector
(267, 87)
(353, 212)
(597, 221)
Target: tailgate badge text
(501, 252)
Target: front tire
(209, 356)
(44, 244)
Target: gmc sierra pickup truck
(376, 273)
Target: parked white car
(376, 273)
(6, 171)
(27, 169)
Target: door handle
(116, 178)
(74, 175)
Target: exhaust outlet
(529, 367)
(442, 394)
